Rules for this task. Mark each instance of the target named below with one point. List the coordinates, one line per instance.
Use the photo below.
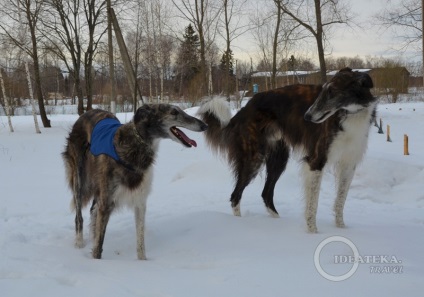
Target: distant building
(386, 80)
(263, 78)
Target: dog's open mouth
(183, 138)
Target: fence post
(405, 145)
(388, 134)
(380, 129)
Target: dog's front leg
(344, 176)
(312, 183)
(140, 214)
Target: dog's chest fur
(124, 196)
(349, 145)
(134, 187)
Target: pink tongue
(186, 139)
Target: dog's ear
(364, 80)
(346, 69)
(142, 113)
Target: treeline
(179, 49)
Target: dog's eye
(174, 112)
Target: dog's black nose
(307, 117)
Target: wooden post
(405, 145)
(380, 129)
(388, 134)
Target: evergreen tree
(188, 64)
(227, 56)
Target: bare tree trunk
(228, 48)
(111, 60)
(136, 61)
(210, 85)
(320, 42)
(150, 83)
(31, 96)
(422, 37)
(31, 24)
(6, 103)
(237, 84)
(161, 83)
(124, 55)
(92, 13)
(274, 49)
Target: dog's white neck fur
(350, 144)
(354, 108)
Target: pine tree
(188, 62)
(227, 56)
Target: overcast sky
(369, 40)
(365, 41)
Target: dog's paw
(340, 222)
(79, 242)
(312, 229)
(236, 211)
(97, 252)
(340, 225)
(141, 256)
(273, 213)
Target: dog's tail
(216, 113)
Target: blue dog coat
(102, 138)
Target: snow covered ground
(195, 246)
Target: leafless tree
(276, 36)
(72, 27)
(6, 103)
(19, 24)
(317, 17)
(342, 62)
(203, 14)
(405, 19)
(94, 11)
(63, 29)
(232, 27)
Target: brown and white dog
(326, 124)
(118, 172)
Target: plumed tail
(216, 114)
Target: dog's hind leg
(140, 214)
(276, 163)
(344, 176)
(93, 218)
(312, 185)
(79, 221)
(78, 195)
(245, 171)
(103, 211)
